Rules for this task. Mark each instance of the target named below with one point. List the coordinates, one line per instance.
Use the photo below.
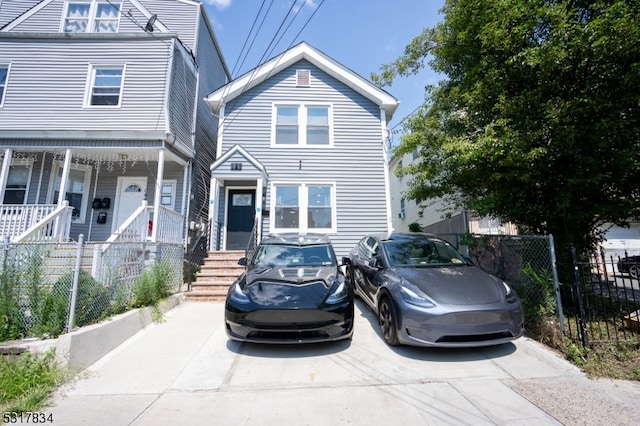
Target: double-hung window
(303, 207)
(18, 182)
(105, 87)
(95, 16)
(4, 73)
(77, 191)
(302, 125)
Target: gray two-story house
(301, 148)
(103, 125)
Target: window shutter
(303, 78)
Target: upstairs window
(106, 86)
(302, 125)
(96, 16)
(4, 72)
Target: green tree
(537, 118)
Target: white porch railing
(171, 226)
(31, 222)
(137, 228)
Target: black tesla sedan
(425, 293)
(292, 291)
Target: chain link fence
(527, 264)
(47, 289)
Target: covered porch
(130, 193)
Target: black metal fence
(602, 302)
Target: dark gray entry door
(240, 216)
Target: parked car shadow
(434, 353)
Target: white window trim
(303, 206)
(302, 124)
(58, 165)
(173, 183)
(24, 162)
(93, 8)
(6, 83)
(91, 74)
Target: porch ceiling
(101, 155)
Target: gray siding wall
(40, 189)
(48, 80)
(11, 9)
(179, 17)
(355, 163)
(212, 74)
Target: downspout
(186, 201)
(4, 174)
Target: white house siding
(355, 163)
(11, 9)
(177, 17)
(49, 78)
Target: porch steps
(219, 271)
(61, 260)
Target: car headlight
(237, 295)
(338, 292)
(510, 295)
(414, 298)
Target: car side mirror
(373, 263)
(242, 261)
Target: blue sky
(360, 34)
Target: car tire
(387, 321)
(634, 271)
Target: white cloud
(220, 4)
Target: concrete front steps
(219, 271)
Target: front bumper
(290, 325)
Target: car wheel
(634, 271)
(387, 320)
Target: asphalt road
(185, 371)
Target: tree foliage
(537, 119)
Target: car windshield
(293, 255)
(422, 251)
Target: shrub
(415, 227)
(153, 285)
(10, 325)
(27, 381)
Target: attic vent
(303, 78)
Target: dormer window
(95, 16)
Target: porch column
(259, 207)
(158, 195)
(213, 193)
(64, 179)
(4, 174)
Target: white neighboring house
(437, 217)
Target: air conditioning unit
(402, 215)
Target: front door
(131, 192)
(240, 217)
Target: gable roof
(237, 149)
(302, 51)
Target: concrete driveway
(185, 371)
